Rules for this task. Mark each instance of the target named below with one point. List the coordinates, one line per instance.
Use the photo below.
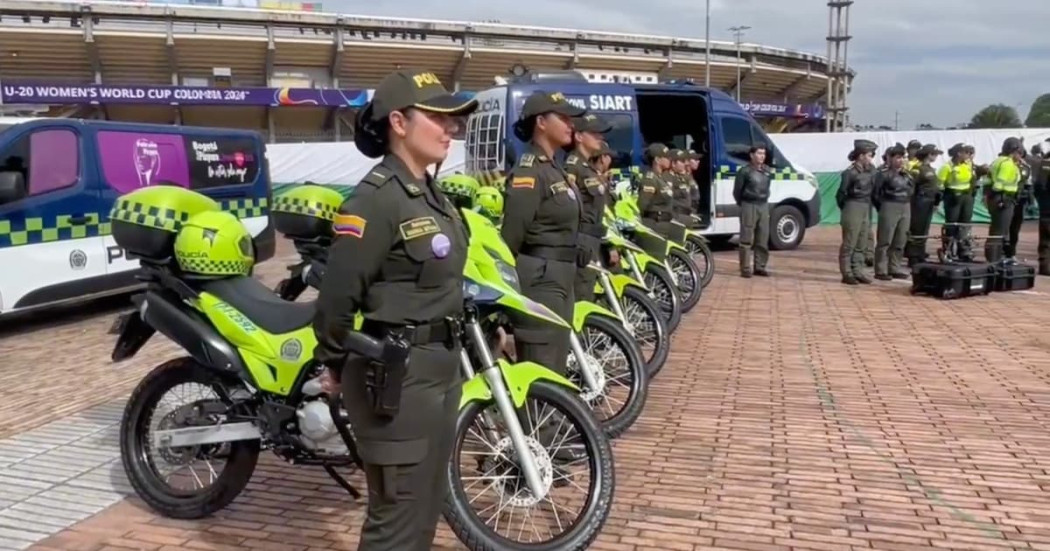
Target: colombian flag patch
(349, 224)
(527, 183)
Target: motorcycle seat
(261, 305)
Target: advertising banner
(792, 110)
(64, 94)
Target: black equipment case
(952, 280)
(1014, 277)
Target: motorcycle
(250, 356)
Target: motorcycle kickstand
(338, 478)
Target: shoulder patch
(412, 189)
(527, 160)
(521, 182)
(418, 227)
(648, 189)
(571, 159)
(592, 182)
(571, 178)
(349, 224)
(378, 176)
(559, 187)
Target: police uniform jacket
(593, 196)
(542, 213)
(751, 185)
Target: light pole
(739, 32)
(707, 47)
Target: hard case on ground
(1014, 277)
(952, 280)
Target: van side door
(51, 236)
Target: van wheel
(787, 228)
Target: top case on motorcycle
(260, 304)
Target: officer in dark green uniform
(1025, 196)
(541, 223)
(398, 258)
(1041, 187)
(694, 187)
(1001, 197)
(682, 189)
(854, 200)
(655, 192)
(924, 203)
(751, 193)
(580, 168)
(893, 190)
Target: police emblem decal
(78, 259)
(291, 349)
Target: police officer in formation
(1041, 187)
(398, 258)
(656, 192)
(683, 188)
(579, 167)
(1025, 196)
(1002, 197)
(541, 225)
(854, 200)
(924, 203)
(751, 193)
(694, 165)
(913, 161)
(894, 188)
(958, 182)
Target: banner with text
(790, 110)
(60, 94)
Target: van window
(484, 145)
(48, 160)
(737, 135)
(620, 138)
(217, 162)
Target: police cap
(693, 155)
(416, 88)
(896, 151)
(658, 150)
(590, 122)
(1011, 145)
(956, 149)
(930, 149)
(541, 103)
(864, 146)
(678, 155)
(604, 150)
(914, 145)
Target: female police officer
(581, 172)
(398, 258)
(541, 221)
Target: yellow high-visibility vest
(1005, 175)
(956, 177)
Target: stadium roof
(134, 43)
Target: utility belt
(548, 252)
(658, 216)
(594, 230)
(686, 211)
(384, 379)
(896, 199)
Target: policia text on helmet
(398, 258)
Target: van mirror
(12, 187)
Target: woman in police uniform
(398, 258)
(541, 222)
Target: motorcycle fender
(671, 245)
(518, 377)
(583, 309)
(644, 259)
(696, 235)
(622, 281)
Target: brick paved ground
(795, 413)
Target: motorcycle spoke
(176, 409)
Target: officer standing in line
(593, 193)
(683, 192)
(913, 162)
(1025, 196)
(398, 257)
(923, 204)
(893, 190)
(751, 193)
(958, 183)
(694, 187)
(1041, 176)
(601, 163)
(541, 224)
(1001, 197)
(854, 200)
(655, 194)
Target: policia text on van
(59, 179)
(683, 116)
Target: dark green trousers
(1014, 232)
(1043, 198)
(894, 220)
(869, 249)
(550, 283)
(958, 209)
(583, 285)
(922, 209)
(999, 227)
(405, 458)
(754, 236)
(856, 226)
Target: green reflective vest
(956, 177)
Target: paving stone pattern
(795, 414)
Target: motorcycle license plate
(134, 333)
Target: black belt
(659, 216)
(446, 331)
(897, 200)
(683, 211)
(595, 230)
(560, 254)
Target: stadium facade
(298, 74)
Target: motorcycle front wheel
(688, 276)
(650, 329)
(701, 254)
(624, 378)
(664, 293)
(489, 505)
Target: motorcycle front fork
(614, 302)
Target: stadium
(297, 76)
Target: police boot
(850, 280)
(1044, 269)
(864, 278)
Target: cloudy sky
(936, 61)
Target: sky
(936, 61)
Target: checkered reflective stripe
(152, 217)
(246, 208)
(214, 267)
(48, 229)
(788, 173)
(315, 209)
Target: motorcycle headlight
(506, 272)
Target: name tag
(418, 227)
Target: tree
(998, 115)
(1039, 114)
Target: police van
(682, 115)
(59, 179)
